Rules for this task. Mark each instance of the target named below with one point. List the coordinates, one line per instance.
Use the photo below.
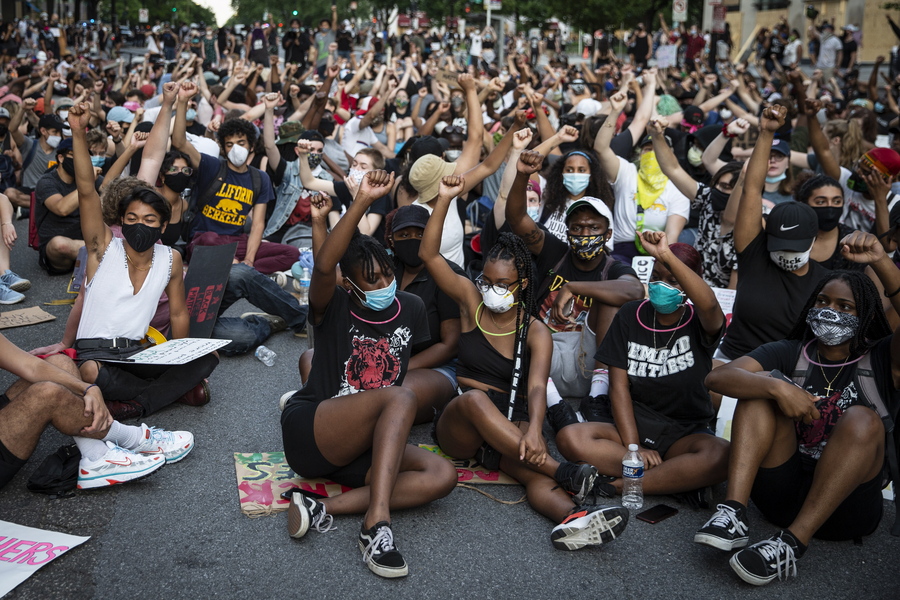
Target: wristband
(892, 294)
(726, 133)
(84, 393)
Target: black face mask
(4, 129)
(829, 216)
(140, 237)
(718, 199)
(287, 152)
(314, 160)
(68, 165)
(177, 182)
(407, 251)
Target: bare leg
(304, 364)
(424, 477)
(854, 455)
(347, 426)
(472, 419)
(596, 443)
(555, 504)
(27, 415)
(433, 391)
(693, 462)
(761, 436)
(62, 251)
(18, 198)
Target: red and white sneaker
(173, 445)
(118, 465)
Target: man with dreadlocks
(502, 374)
(351, 420)
(810, 450)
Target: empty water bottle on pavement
(632, 478)
(266, 356)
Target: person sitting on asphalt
(502, 372)
(50, 392)
(659, 352)
(807, 443)
(11, 285)
(351, 420)
(123, 282)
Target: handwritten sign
(24, 550)
(175, 352)
(24, 316)
(666, 56)
(447, 76)
(726, 301)
(643, 266)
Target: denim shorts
(448, 370)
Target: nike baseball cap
(791, 226)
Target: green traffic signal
(295, 13)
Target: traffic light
(468, 8)
(294, 13)
(174, 9)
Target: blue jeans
(263, 293)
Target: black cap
(791, 226)
(51, 121)
(409, 216)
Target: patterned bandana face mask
(831, 327)
(586, 247)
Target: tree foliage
(127, 11)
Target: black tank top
(480, 361)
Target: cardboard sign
(24, 550)
(726, 301)
(24, 316)
(80, 270)
(174, 352)
(204, 286)
(447, 76)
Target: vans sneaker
(171, 445)
(305, 512)
(282, 402)
(118, 465)
(379, 552)
(590, 526)
(725, 530)
(763, 561)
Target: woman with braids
(351, 420)
(658, 352)
(502, 374)
(806, 443)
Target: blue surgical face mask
(190, 115)
(98, 161)
(377, 299)
(534, 212)
(777, 178)
(576, 182)
(665, 298)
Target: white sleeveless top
(453, 236)
(111, 308)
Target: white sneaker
(280, 277)
(172, 445)
(118, 465)
(282, 402)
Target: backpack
(864, 378)
(57, 476)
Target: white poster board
(24, 550)
(643, 266)
(666, 56)
(174, 352)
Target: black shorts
(779, 494)
(44, 263)
(9, 462)
(303, 454)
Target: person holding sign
(123, 282)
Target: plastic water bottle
(632, 478)
(266, 356)
(304, 286)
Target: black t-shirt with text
(666, 369)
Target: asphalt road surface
(180, 533)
